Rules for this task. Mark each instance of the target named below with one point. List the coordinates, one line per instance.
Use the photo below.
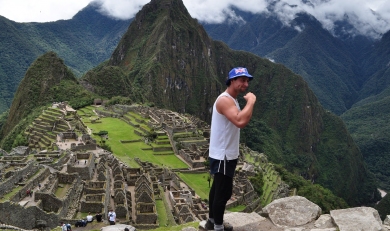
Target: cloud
(369, 17)
(121, 9)
(40, 11)
(211, 11)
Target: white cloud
(40, 10)
(212, 11)
(368, 16)
(122, 9)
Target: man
(89, 218)
(63, 227)
(226, 121)
(98, 217)
(111, 217)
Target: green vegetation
(198, 182)
(61, 190)
(383, 206)
(47, 80)
(369, 127)
(238, 208)
(162, 215)
(9, 195)
(170, 220)
(313, 192)
(119, 130)
(83, 42)
(258, 182)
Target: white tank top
(225, 136)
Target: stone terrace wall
(84, 147)
(61, 161)
(93, 203)
(49, 202)
(70, 195)
(11, 213)
(85, 172)
(30, 184)
(7, 185)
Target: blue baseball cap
(238, 72)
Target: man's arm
(227, 107)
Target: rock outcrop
(296, 213)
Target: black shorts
(226, 167)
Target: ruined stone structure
(75, 176)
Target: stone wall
(146, 213)
(8, 184)
(50, 203)
(26, 218)
(85, 172)
(31, 184)
(61, 161)
(71, 196)
(92, 206)
(81, 147)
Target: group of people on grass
(111, 217)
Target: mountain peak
(154, 21)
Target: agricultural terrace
(270, 176)
(118, 130)
(197, 181)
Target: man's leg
(222, 191)
(211, 200)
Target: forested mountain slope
(83, 42)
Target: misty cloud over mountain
(367, 17)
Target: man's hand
(250, 97)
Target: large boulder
(325, 222)
(359, 218)
(292, 211)
(242, 219)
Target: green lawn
(61, 190)
(162, 215)
(119, 130)
(198, 182)
(238, 208)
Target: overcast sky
(368, 16)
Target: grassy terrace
(10, 194)
(119, 130)
(271, 180)
(18, 188)
(198, 182)
(61, 190)
(162, 215)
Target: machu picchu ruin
(71, 168)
